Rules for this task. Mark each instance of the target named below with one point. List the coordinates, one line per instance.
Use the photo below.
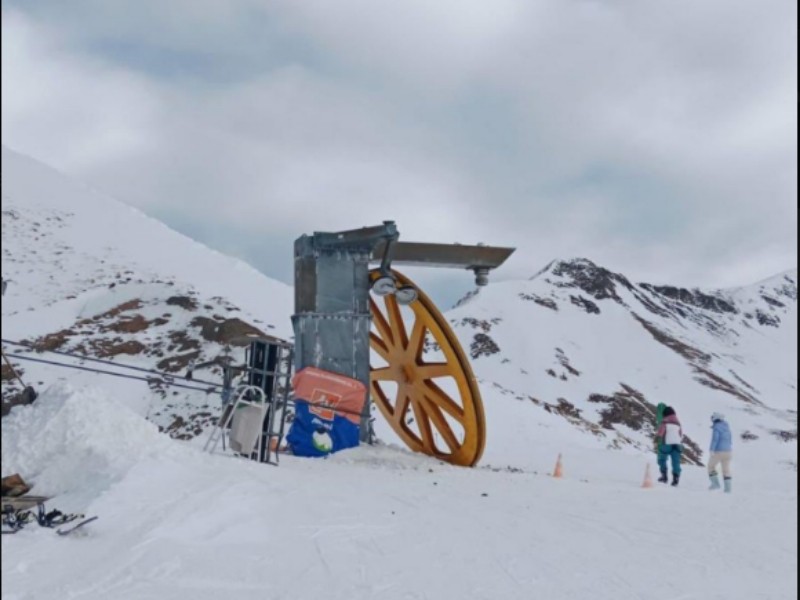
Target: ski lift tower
(344, 309)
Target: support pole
(332, 317)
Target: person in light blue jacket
(720, 449)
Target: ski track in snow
(380, 522)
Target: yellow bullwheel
(421, 379)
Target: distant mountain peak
(564, 263)
(597, 281)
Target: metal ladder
(280, 402)
(268, 445)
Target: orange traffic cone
(648, 481)
(559, 470)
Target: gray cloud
(657, 138)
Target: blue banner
(313, 435)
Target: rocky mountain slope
(576, 357)
(89, 275)
(599, 351)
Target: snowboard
(659, 417)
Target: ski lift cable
(159, 381)
(150, 380)
(163, 378)
(109, 362)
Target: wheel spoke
(442, 426)
(396, 322)
(379, 346)
(381, 324)
(439, 398)
(424, 425)
(382, 374)
(433, 370)
(416, 339)
(400, 408)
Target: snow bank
(76, 441)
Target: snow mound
(385, 456)
(76, 441)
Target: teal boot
(714, 478)
(727, 482)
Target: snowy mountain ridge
(90, 275)
(581, 343)
(570, 362)
(585, 343)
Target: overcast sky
(657, 138)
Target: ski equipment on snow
(15, 518)
(69, 530)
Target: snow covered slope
(94, 276)
(584, 349)
(370, 523)
(572, 361)
(62, 239)
(576, 351)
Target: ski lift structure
(357, 316)
(253, 416)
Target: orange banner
(329, 394)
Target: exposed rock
(177, 363)
(110, 348)
(568, 409)
(53, 341)
(13, 396)
(481, 324)
(686, 351)
(8, 373)
(185, 302)
(134, 304)
(784, 435)
(691, 451)
(546, 302)
(587, 305)
(743, 382)
(773, 302)
(228, 331)
(765, 319)
(564, 361)
(482, 345)
(712, 380)
(694, 298)
(788, 289)
(629, 407)
(132, 324)
(596, 281)
(182, 342)
(467, 297)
